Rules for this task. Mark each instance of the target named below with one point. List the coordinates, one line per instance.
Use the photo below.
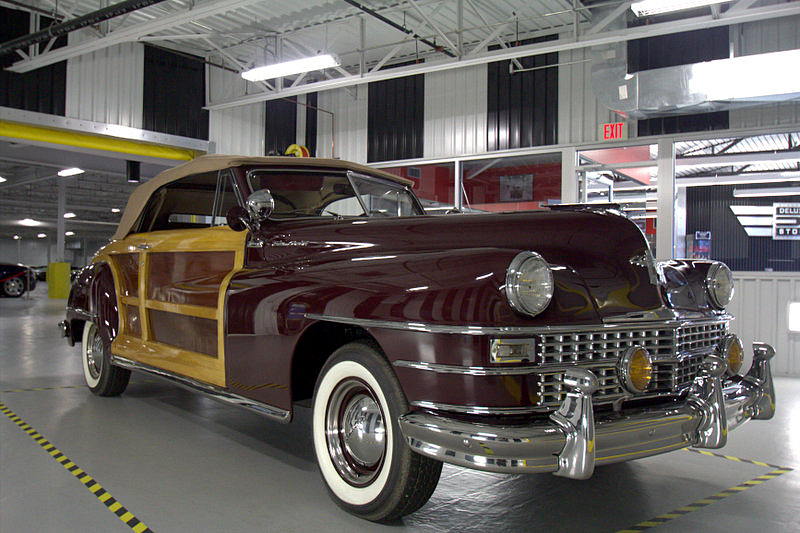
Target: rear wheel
(13, 287)
(101, 376)
(367, 466)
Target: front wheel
(101, 376)
(366, 464)
(13, 287)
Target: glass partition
(517, 183)
(434, 184)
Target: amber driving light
(635, 369)
(733, 354)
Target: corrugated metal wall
(761, 37)
(349, 107)
(107, 85)
(760, 304)
(580, 114)
(237, 130)
(395, 119)
(708, 209)
(171, 78)
(455, 112)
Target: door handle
(143, 246)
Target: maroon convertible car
(526, 342)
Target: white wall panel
(579, 112)
(349, 107)
(455, 112)
(236, 130)
(760, 304)
(107, 86)
(760, 37)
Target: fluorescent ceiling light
(774, 191)
(115, 209)
(2, 179)
(69, 233)
(287, 68)
(41, 235)
(655, 7)
(69, 215)
(74, 171)
(29, 222)
(764, 75)
(17, 237)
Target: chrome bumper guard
(572, 442)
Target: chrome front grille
(677, 353)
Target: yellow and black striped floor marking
(699, 504)
(45, 388)
(94, 487)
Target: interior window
(186, 203)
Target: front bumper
(573, 441)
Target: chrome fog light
(733, 354)
(719, 285)
(635, 369)
(529, 283)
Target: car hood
(602, 263)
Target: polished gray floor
(181, 462)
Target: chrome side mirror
(260, 206)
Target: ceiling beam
(131, 33)
(609, 37)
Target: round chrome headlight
(733, 354)
(635, 369)
(529, 283)
(719, 284)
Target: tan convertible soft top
(208, 163)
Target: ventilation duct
(696, 88)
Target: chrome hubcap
(94, 354)
(355, 431)
(14, 286)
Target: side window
(225, 199)
(186, 203)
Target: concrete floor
(181, 462)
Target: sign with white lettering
(786, 221)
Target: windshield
(304, 194)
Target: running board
(275, 413)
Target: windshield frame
(352, 177)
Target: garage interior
(688, 119)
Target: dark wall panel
(174, 94)
(523, 107)
(311, 124)
(395, 119)
(680, 49)
(281, 126)
(708, 208)
(43, 90)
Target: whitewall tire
(100, 375)
(362, 456)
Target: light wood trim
(198, 311)
(129, 300)
(198, 366)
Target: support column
(665, 213)
(569, 176)
(62, 207)
(458, 199)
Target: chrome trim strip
(514, 330)
(477, 409)
(497, 371)
(217, 393)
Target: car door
(173, 274)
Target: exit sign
(616, 131)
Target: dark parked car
(528, 342)
(15, 279)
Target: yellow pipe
(94, 142)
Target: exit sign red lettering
(615, 131)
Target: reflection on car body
(546, 341)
